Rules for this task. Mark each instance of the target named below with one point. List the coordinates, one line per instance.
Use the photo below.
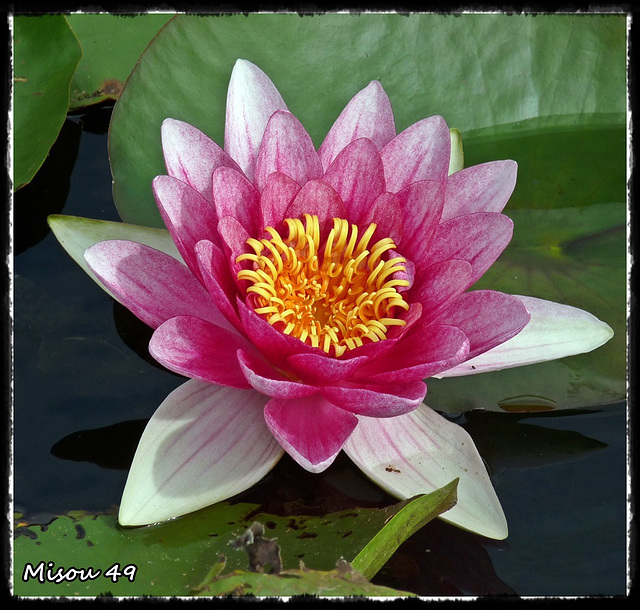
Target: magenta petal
(198, 349)
(320, 369)
(386, 212)
(357, 175)
(420, 152)
(367, 115)
(251, 100)
(317, 197)
(310, 429)
(487, 317)
(377, 400)
(234, 237)
(480, 188)
(151, 284)
(277, 194)
(267, 380)
(191, 156)
(235, 196)
(187, 214)
(477, 238)
(287, 148)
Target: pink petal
(251, 100)
(477, 238)
(191, 156)
(234, 237)
(420, 152)
(377, 400)
(420, 452)
(487, 317)
(198, 349)
(204, 444)
(367, 115)
(187, 214)
(286, 148)
(278, 193)
(321, 369)
(310, 429)
(266, 380)
(386, 212)
(554, 331)
(317, 197)
(235, 196)
(151, 284)
(480, 188)
(357, 175)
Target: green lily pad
(175, 557)
(111, 45)
(46, 55)
(428, 64)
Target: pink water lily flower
(307, 294)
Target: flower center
(335, 296)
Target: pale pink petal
(198, 349)
(187, 214)
(266, 380)
(554, 331)
(151, 284)
(477, 238)
(357, 175)
(367, 115)
(251, 100)
(317, 197)
(322, 369)
(277, 195)
(480, 188)
(310, 429)
(191, 156)
(204, 444)
(420, 152)
(420, 452)
(376, 400)
(235, 196)
(286, 148)
(487, 317)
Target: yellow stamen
(335, 297)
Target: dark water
(84, 388)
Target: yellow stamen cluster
(335, 297)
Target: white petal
(420, 452)
(78, 234)
(251, 99)
(204, 444)
(554, 331)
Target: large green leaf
(46, 55)
(475, 70)
(111, 45)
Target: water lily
(307, 294)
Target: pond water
(84, 387)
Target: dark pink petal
(277, 194)
(377, 400)
(421, 204)
(151, 284)
(267, 380)
(191, 156)
(188, 216)
(320, 369)
(420, 152)
(386, 212)
(234, 237)
(235, 196)
(251, 100)
(367, 115)
(438, 285)
(480, 188)
(198, 349)
(310, 429)
(487, 317)
(287, 148)
(477, 238)
(357, 175)
(317, 197)
(425, 351)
